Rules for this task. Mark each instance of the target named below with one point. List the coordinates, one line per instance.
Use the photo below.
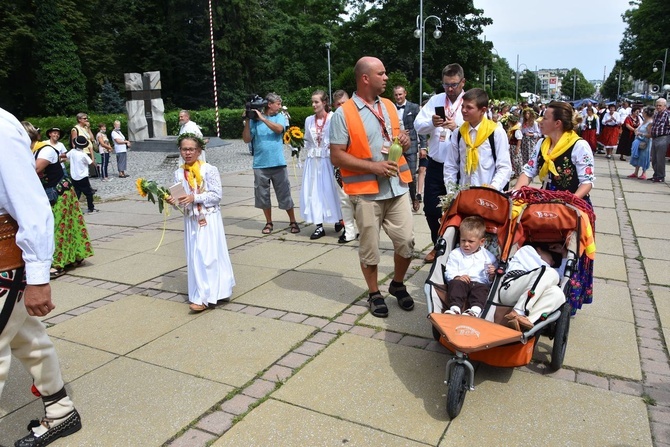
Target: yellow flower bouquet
(153, 192)
(296, 139)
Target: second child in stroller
(531, 284)
(469, 270)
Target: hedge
(230, 122)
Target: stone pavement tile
(535, 395)
(654, 248)
(343, 382)
(217, 422)
(238, 179)
(416, 342)
(657, 271)
(607, 221)
(342, 262)
(647, 202)
(602, 197)
(193, 438)
(323, 338)
(362, 331)
(277, 254)
(102, 256)
(626, 387)
(413, 322)
(599, 345)
(662, 302)
(249, 277)
(309, 348)
(611, 300)
(132, 206)
(124, 325)
(276, 423)
(609, 266)
(142, 241)
(586, 378)
(239, 404)
(260, 388)
(650, 224)
(661, 432)
(247, 345)
(336, 327)
(96, 231)
(277, 373)
(67, 296)
(609, 244)
(134, 269)
(242, 213)
(171, 249)
(307, 293)
(142, 405)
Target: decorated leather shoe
(318, 233)
(71, 424)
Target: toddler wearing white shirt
(79, 163)
(469, 270)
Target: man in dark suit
(407, 111)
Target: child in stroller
(531, 284)
(469, 270)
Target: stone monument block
(146, 111)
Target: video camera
(255, 103)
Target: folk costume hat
(55, 129)
(80, 142)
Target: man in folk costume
(27, 245)
(480, 155)
(361, 135)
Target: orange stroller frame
(485, 339)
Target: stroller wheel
(560, 338)
(458, 386)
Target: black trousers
(432, 189)
(465, 295)
(411, 162)
(83, 186)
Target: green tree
(528, 82)
(17, 41)
(644, 40)
(582, 87)
(611, 86)
(60, 86)
(109, 100)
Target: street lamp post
(618, 89)
(420, 33)
(535, 89)
(330, 88)
(664, 62)
(517, 77)
(574, 85)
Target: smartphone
(439, 110)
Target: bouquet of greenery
(296, 139)
(153, 192)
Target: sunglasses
(452, 86)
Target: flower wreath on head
(191, 136)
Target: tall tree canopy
(646, 39)
(59, 63)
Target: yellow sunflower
(287, 137)
(140, 189)
(296, 133)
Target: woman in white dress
(210, 273)
(319, 199)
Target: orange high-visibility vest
(355, 182)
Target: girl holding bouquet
(210, 273)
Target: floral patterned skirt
(527, 146)
(71, 239)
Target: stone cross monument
(145, 107)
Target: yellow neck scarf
(513, 129)
(564, 143)
(193, 175)
(486, 128)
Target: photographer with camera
(264, 127)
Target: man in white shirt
(440, 128)
(473, 161)
(188, 126)
(25, 292)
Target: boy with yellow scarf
(479, 155)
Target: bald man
(361, 132)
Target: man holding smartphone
(439, 118)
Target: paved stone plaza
(295, 359)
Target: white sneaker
(474, 311)
(453, 310)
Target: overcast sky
(564, 34)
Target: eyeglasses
(85, 118)
(451, 86)
(188, 149)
